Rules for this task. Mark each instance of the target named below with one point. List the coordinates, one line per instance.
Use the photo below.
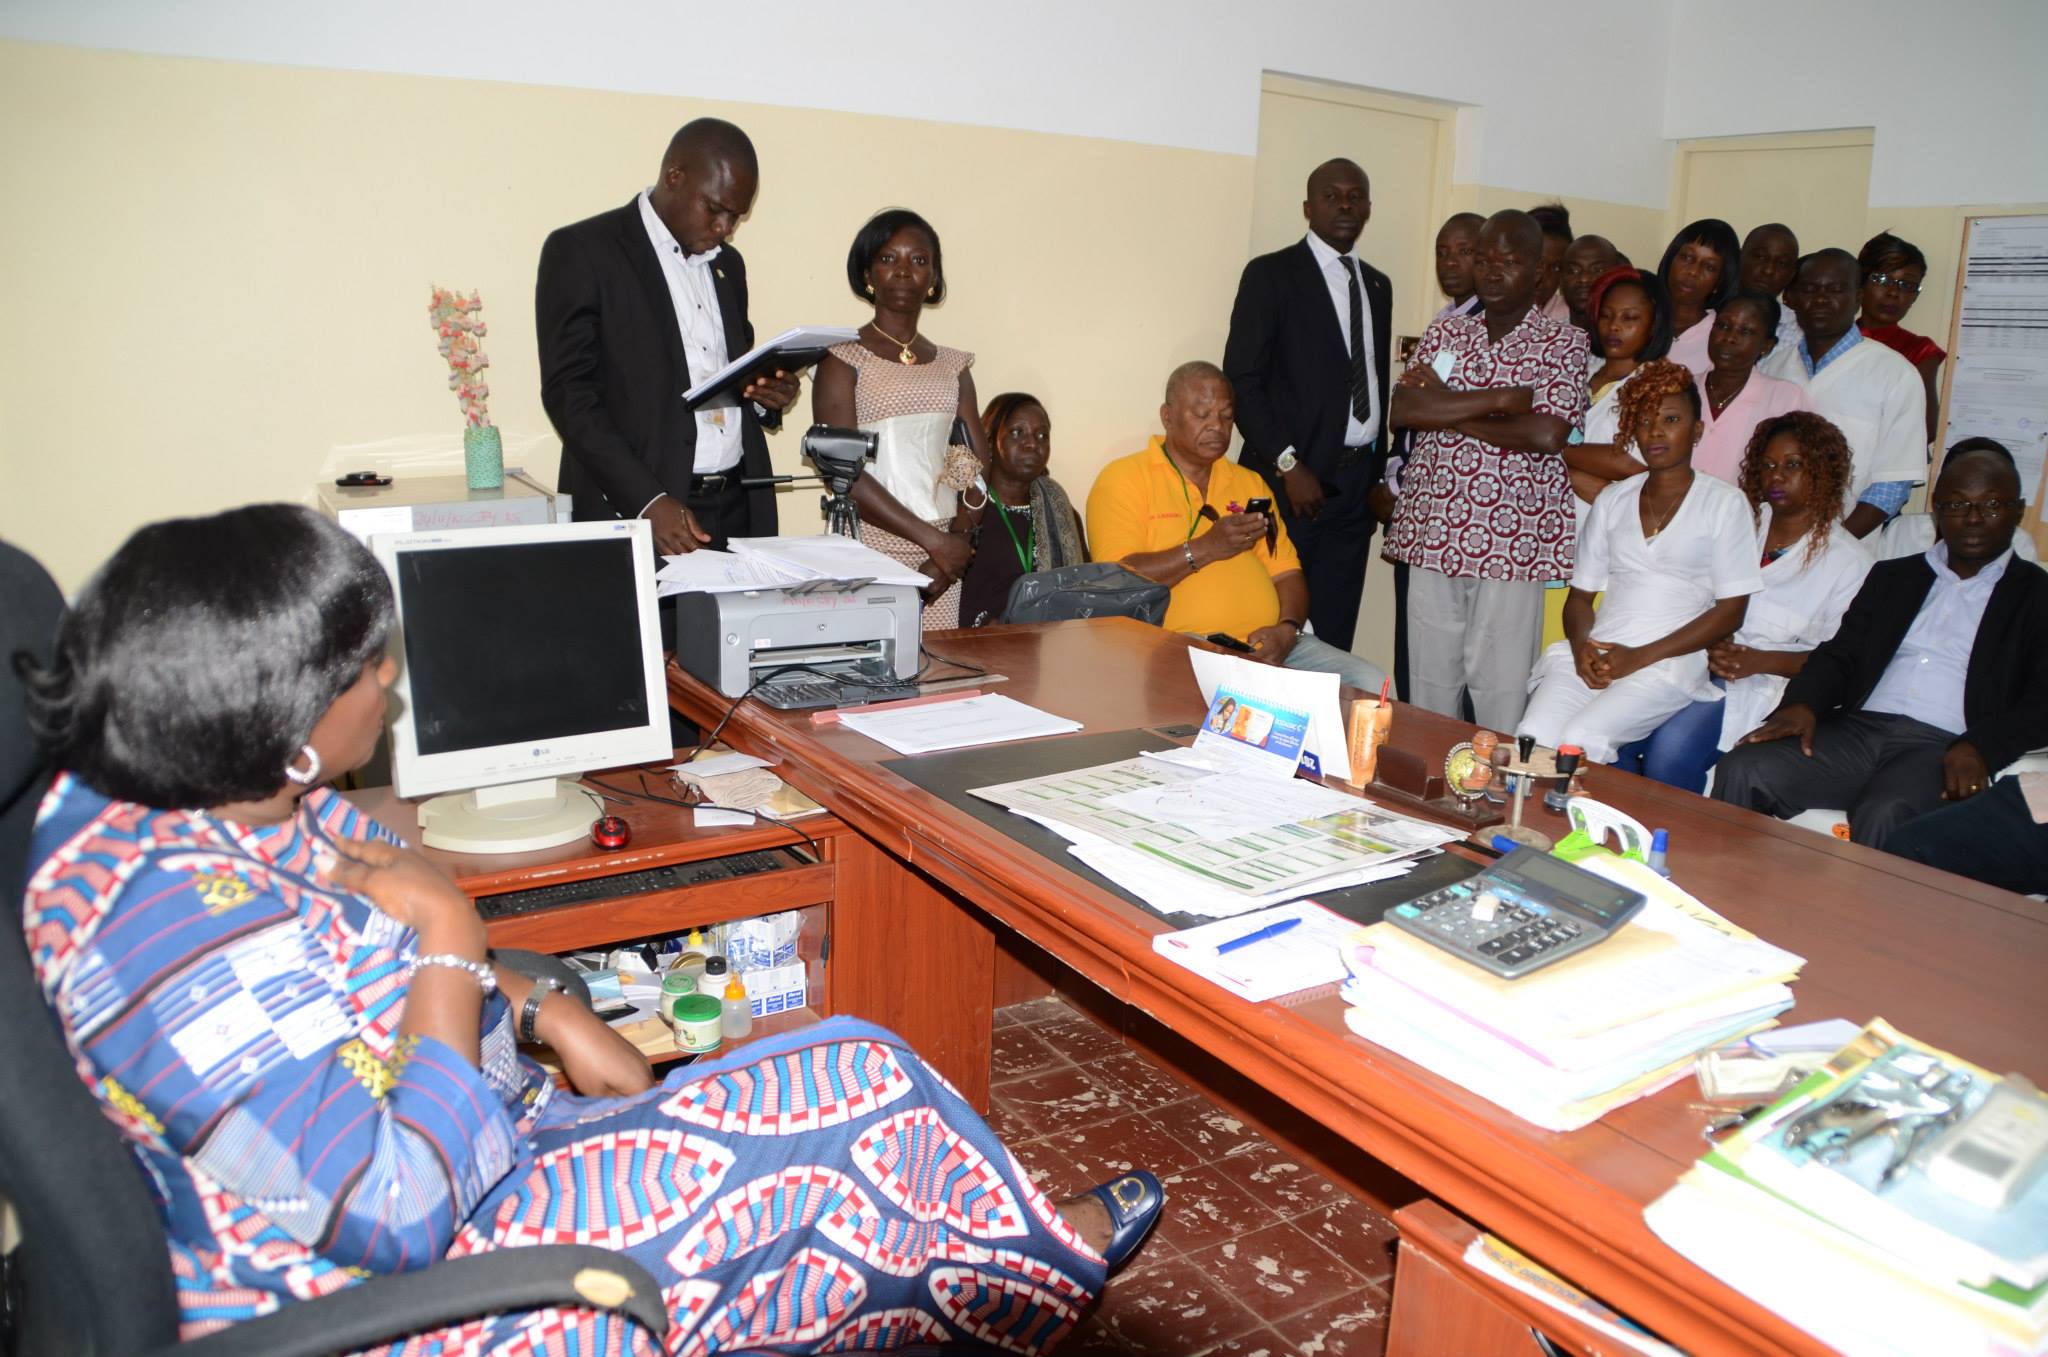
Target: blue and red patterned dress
(822, 1191)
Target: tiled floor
(1255, 1256)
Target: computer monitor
(526, 655)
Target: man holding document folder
(634, 306)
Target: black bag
(1090, 589)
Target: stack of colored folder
(1563, 1045)
(1894, 1268)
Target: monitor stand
(517, 817)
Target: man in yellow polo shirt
(1176, 513)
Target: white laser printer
(858, 639)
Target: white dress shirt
(1925, 679)
(702, 324)
(1337, 270)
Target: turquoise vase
(483, 457)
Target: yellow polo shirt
(1142, 503)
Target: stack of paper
(1187, 839)
(1266, 955)
(1564, 1045)
(780, 563)
(1898, 1268)
(988, 719)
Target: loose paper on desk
(1275, 839)
(1303, 957)
(779, 563)
(1294, 689)
(988, 719)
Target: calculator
(1524, 912)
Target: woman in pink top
(1734, 396)
(1699, 270)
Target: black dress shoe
(1133, 1202)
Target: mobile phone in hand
(1262, 505)
(1228, 642)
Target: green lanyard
(1194, 514)
(1025, 553)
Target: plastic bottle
(1660, 843)
(736, 1015)
(712, 981)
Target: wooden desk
(1951, 962)
(660, 835)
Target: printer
(863, 632)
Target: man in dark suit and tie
(1307, 354)
(1935, 680)
(632, 308)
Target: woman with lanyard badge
(1026, 523)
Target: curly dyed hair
(1828, 466)
(1645, 390)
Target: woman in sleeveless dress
(914, 394)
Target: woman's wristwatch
(529, 1012)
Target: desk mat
(949, 775)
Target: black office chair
(92, 1274)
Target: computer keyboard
(672, 876)
(848, 685)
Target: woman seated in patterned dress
(918, 397)
(296, 1025)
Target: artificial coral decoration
(459, 323)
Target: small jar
(674, 985)
(695, 1018)
(716, 973)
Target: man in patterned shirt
(1485, 515)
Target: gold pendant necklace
(906, 357)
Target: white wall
(1181, 73)
(1955, 90)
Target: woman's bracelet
(1187, 549)
(486, 978)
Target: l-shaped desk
(924, 888)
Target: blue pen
(1269, 931)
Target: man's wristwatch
(1290, 622)
(1286, 461)
(529, 1012)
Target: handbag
(1088, 589)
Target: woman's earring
(931, 294)
(311, 774)
(871, 289)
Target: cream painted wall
(217, 273)
(1953, 90)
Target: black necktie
(1361, 392)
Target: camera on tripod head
(841, 456)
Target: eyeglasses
(1905, 285)
(1985, 508)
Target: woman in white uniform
(1675, 554)
(1631, 326)
(1796, 476)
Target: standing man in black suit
(633, 307)
(1307, 354)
